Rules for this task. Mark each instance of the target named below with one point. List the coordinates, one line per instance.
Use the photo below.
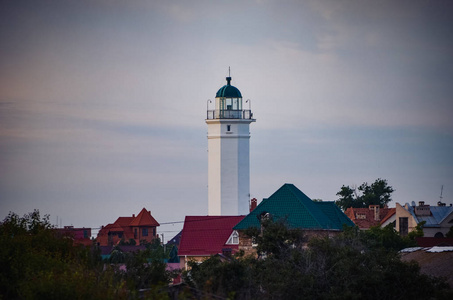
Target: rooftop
(228, 91)
(300, 211)
(207, 235)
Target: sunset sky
(103, 102)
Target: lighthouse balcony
(230, 114)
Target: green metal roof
(300, 211)
(228, 91)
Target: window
(404, 226)
(85, 234)
(361, 216)
(439, 235)
(145, 232)
(135, 233)
(234, 238)
(228, 127)
(154, 231)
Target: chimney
(253, 204)
(133, 215)
(375, 208)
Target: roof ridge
(313, 207)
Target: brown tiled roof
(144, 218)
(390, 213)
(433, 263)
(123, 221)
(368, 221)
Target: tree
(450, 233)
(378, 193)
(274, 238)
(351, 265)
(38, 263)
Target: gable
(144, 218)
(447, 220)
(207, 235)
(365, 218)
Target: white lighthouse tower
(229, 153)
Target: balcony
(229, 114)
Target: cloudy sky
(103, 102)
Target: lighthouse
(228, 122)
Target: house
(438, 219)
(374, 215)
(140, 228)
(204, 236)
(433, 261)
(79, 235)
(299, 211)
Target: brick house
(79, 235)
(374, 215)
(299, 211)
(138, 228)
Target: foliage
(350, 265)
(378, 238)
(274, 238)
(418, 232)
(450, 233)
(378, 193)
(38, 263)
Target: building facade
(437, 219)
(228, 152)
(140, 228)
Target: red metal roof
(207, 235)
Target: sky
(103, 102)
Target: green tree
(38, 263)
(450, 233)
(274, 238)
(378, 193)
(351, 265)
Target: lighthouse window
(228, 127)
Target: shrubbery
(37, 263)
(352, 265)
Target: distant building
(438, 219)
(374, 215)
(203, 236)
(138, 228)
(79, 235)
(299, 211)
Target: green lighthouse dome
(228, 91)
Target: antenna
(229, 72)
(441, 191)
